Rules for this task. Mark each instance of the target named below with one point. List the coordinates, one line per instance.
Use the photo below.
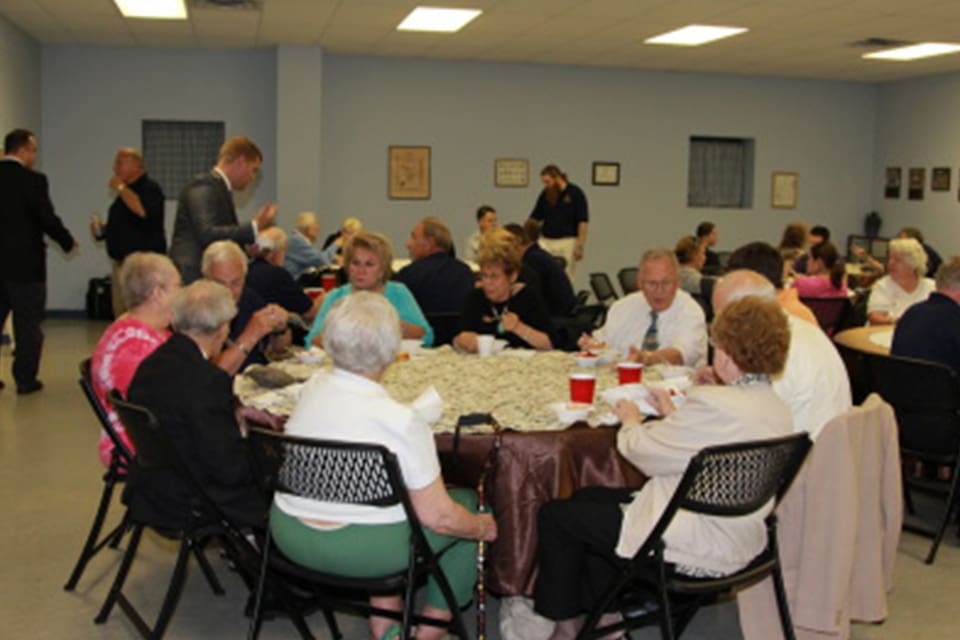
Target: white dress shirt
(681, 326)
(340, 405)
(662, 449)
(814, 382)
(887, 295)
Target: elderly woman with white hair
(903, 286)
(362, 335)
(148, 282)
(301, 252)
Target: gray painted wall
(472, 113)
(19, 79)
(93, 101)
(918, 126)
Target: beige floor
(49, 484)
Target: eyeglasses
(657, 284)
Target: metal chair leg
(121, 529)
(782, 605)
(208, 572)
(90, 547)
(177, 580)
(121, 576)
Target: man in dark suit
(438, 281)
(205, 208)
(26, 214)
(192, 400)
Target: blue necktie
(650, 340)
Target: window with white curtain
(175, 151)
(721, 173)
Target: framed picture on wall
(915, 186)
(940, 179)
(784, 189)
(891, 187)
(606, 174)
(408, 171)
(511, 172)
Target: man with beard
(561, 209)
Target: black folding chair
(155, 452)
(602, 288)
(347, 473)
(726, 481)
(446, 326)
(628, 279)
(832, 313)
(116, 473)
(926, 399)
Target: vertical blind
(174, 151)
(719, 169)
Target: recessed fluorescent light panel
(156, 9)
(694, 35)
(915, 51)
(437, 19)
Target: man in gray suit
(205, 209)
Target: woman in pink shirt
(826, 277)
(148, 282)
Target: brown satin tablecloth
(532, 469)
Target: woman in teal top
(367, 258)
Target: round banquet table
(866, 339)
(538, 460)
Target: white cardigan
(662, 449)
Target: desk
(867, 339)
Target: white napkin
(635, 393)
(428, 405)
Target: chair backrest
(446, 326)
(735, 479)
(560, 261)
(628, 279)
(925, 397)
(153, 450)
(86, 385)
(831, 313)
(602, 287)
(329, 471)
(707, 285)
(580, 300)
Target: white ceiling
(798, 38)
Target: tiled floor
(50, 482)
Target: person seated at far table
(904, 284)
(933, 257)
(815, 236)
(501, 306)
(362, 335)
(707, 237)
(792, 244)
(930, 330)
(267, 277)
(301, 254)
(368, 257)
(691, 258)
(657, 323)
(585, 540)
(826, 274)
(257, 327)
(193, 402)
(438, 281)
(148, 282)
(486, 220)
(554, 284)
(339, 239)
(764, 259)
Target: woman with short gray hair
(362, 335)
(904, 284)
(148, 282)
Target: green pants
(373, 550)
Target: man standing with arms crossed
(562, 211)
(206, 212)
(26, 214)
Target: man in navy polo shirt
(438, 281)
(930, 330)
(562, 211)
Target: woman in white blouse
(586, 539)
(362, 335)
(904, 284)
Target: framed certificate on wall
(408, 170)
(783, 190)
(511, 172)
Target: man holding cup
(658, 324)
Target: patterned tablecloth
(516, 386)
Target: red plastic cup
(314, 292)
(630, 372)
(328, 281)
(582, 387)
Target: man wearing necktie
(658, 324)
